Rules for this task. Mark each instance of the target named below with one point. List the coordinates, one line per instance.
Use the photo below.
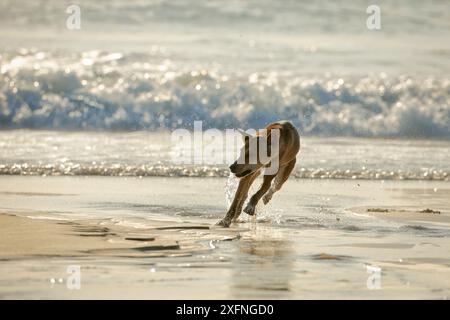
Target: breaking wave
(114, 91)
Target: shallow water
(303, 204)
(34, 152)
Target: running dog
(287, 148)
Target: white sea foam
(112, 91)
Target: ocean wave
(268, 15)
(114, 91)
(163, 170)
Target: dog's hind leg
(251, 205)
(280, 179)
(241, 194)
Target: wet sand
(44, 248)
(155, 239)
(24, 238)
(418, 215)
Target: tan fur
(289, 146)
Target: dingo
(285, 155)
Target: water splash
(230, 189)
(265, 212)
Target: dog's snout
(233, 167)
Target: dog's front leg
(225, 222)
(238, 201)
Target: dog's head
(252, 157)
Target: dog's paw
(249, 209)
(223, 223)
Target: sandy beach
(132, 238)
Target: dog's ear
(268, 135)
(244, 134)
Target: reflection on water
(262, 267)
